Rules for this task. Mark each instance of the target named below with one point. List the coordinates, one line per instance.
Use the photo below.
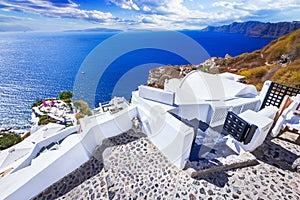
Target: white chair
(281, 96)
(248, 130)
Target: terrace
(55, 109)
(113, 106)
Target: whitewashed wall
(156, 94)
(44, 171)
(75, 150)
(173, 138)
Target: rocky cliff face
(257, 29)
(157, 76)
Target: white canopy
(46, 131)
(9, 156)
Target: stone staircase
(93, 188)
(138, 170)
(89, 180)
(131, 167)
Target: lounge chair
(281, 96)
(248, 130)
(273, 93)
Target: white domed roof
(227, 76)
(198, 87)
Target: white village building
(170, 117)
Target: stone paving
(133, 168)
(81, 179)
(93, 188)
(89, 180)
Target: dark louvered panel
(241, 130)
(276, 93)
(235, 126)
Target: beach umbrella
(11, 155)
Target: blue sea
(39, 65)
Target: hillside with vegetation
(278, 61)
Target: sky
(59, 15)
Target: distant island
(12, 28)
(257, 29)
(250, 28)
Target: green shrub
(7, 140)
(288, 75)
(277, 53)
(288, 44)
(44, 112)
(65, 95)
(45, 119)
(37, 103)
(71, 124)
(83, 107)
(205, 68)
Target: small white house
(208, 97)
(170, 116)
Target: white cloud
(67, 9)
(153, 6)
(261, 10)
(146, 8)
(176, 14)
(196, 14)
(256, 5)
(168, 14)
(125, 4)
(226, 4)
(5, 18)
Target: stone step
(73, 180)
(95, 185)
(136, 170)
(93, 188)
